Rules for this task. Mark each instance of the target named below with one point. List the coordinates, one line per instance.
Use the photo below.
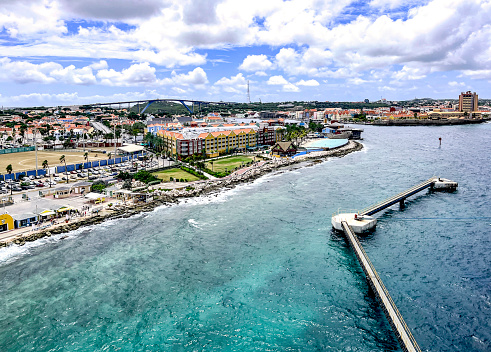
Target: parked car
(39, 177)
(57, 179)
(40, 184)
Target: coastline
(200, 188)
(417, 122)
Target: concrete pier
(406, 339)
(362, 221)
(352, 222)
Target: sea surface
(258, 267)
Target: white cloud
(456, 84)
(123, 9)
(410, 73)
(134, 75)
(309, 83)
(277, 80)
(196, 77)
(73, 98)
(256, 63)
(290, 87)
(235, 84)
(281, 81)
(95, 74)
(313, 39)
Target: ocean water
(258, 267)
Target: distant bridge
(148, 102)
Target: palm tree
(86, 157)
(46, 166)
(9, 170)
(62, 160)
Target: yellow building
(6, 222)
(212, 143)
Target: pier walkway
(406, 339)
(398, 198)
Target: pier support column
(402, 205)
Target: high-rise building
(468, 102)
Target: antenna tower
(248, 93)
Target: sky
(66, 52)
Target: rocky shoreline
(201, 188)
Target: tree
(46, 166)
(9, 171)
(63, 160)
(86, 157)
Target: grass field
(228, 163)
(27, 160)
(165, 175)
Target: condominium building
(468, 102)
(213, 142)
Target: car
(52, 183)
(92, 177)
(58, 179)
(38, 177)
(40, 184)
(73, 172)
(73, 177)
(32, 177)
(16, 189)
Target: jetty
(406, 339)
(361, 221)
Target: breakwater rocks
(416, 122)
(199, 188)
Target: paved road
(101, 127)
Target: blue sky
(63, 52)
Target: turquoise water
(327, 143)
(258, 268)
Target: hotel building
(468, 102)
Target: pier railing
(400, 196)
(408, 342)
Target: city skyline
(55, 52)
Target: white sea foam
(13, 252)
(194, 223)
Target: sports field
(229, 163)
(27, 160)
(165, 175)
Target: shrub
(144, 176)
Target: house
(284, 149)
(24, 220)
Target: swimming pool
(326, 143)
